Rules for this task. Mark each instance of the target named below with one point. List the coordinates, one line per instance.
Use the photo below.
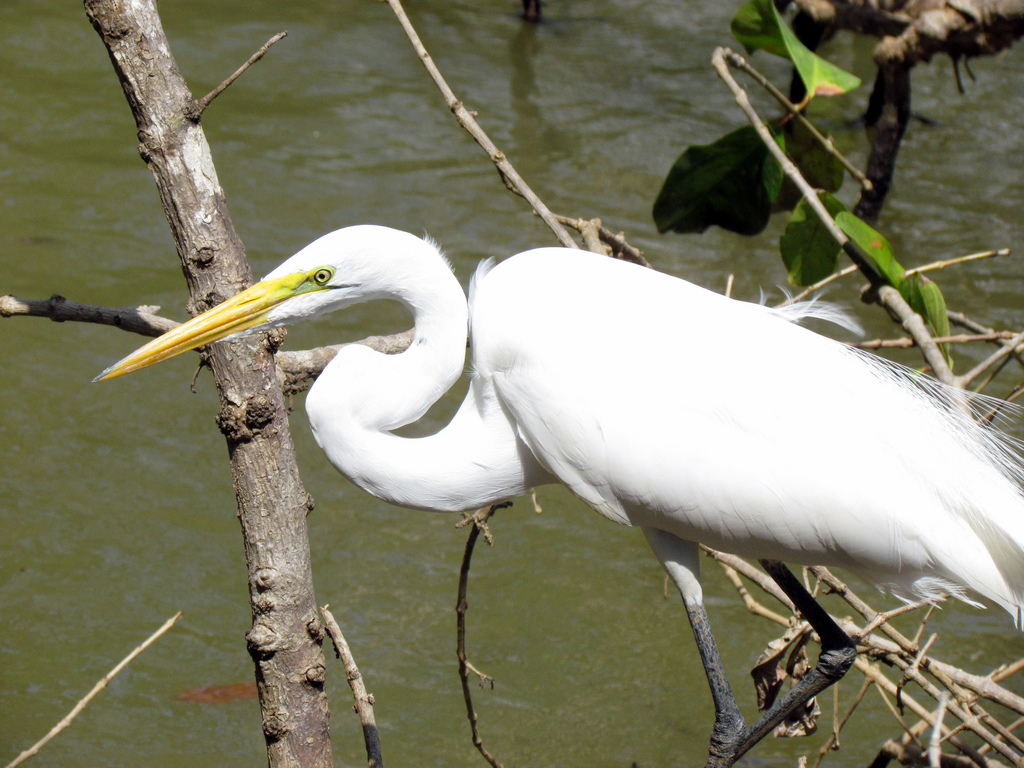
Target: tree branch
(887, 296)
(508, 173)
(204, 102)
(142, 320)
(286, 635)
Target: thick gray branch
(286, 635)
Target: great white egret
(661, 405)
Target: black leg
(838, 652)
(730, 729)
(731, 739)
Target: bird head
(335, 271)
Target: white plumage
(667, 406)
(661, 405)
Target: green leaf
(730, 183)
(758, 26)
(925, 298)
(934, 305)
(874, 245)
(809, 251)
(817, 165)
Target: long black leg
(838, 652)
(730, 738)
(730, 728)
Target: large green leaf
(819, 167)
(809, 251)
(758, 26)
(874, 245)
(730, 183)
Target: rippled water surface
(116, 503)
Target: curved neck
(362, 395)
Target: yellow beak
(245, 310)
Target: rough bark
(286, 636)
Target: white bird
(661, 405)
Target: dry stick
(955, 680)
(986, 687)
(295, 369)
(141, 320)
(479, 520)
(620, 248)
(885, 685)
(960, 338)
(204, 102)
(749, 601)
(765, 582)
(363, 700)
(888, 296)
(935, 742)
(89, 696)
(952, 680)
(796, 112)
(1008, 349)
(915, 270)
(512, 179)
(875, 676)
(961, 711)
(1006, 671)
(833, 739)
(957, 260)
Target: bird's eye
(322, 276)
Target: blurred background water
(116, 505)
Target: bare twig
(295, 370)
(833, 740)
(758, 577)
(753, 605)
(363, 700)
(886, 295)
(960, 338)
(935, 265)
(1010, 348)
(935, 742)
(204, 102)
(479, 524)
(620, 248)
(95, 690)
(509, 175)
(141, 320)
(965, 690)
(957, 260)
(796, 111)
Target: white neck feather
(363, 395)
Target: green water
(116, 506)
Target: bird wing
(664, 405)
